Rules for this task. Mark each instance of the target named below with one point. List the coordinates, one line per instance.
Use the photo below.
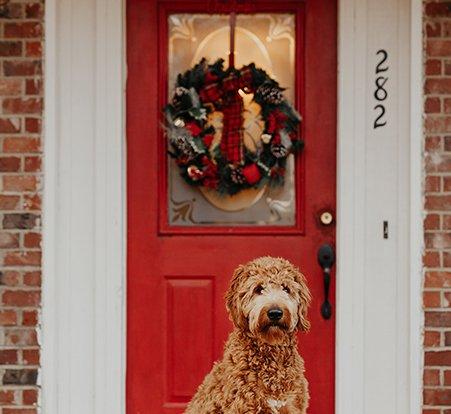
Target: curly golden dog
(261, 371)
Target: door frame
(84, 290)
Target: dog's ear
(304, 303)
(232, 298)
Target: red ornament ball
(252, 174)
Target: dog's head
(269, 298)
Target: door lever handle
(326, 259)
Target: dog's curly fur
(261, 371)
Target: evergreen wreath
(230, 166)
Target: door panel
(177, 274)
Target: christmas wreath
(229, 166)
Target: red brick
(9, 240)
(447, 106)
(23, 30)
(437, 397)
(31, 356)
(446, 222)
(21, 337)
(20, 183)
(20, 411)
(9, 202)
(8, 318)
(438, 124)
(33, 49)
(431, 339)
(438, 240)
(447, 259)
(34, 11)
(32, 240)
(432, 222)
(21, 145)
(429, 411)
(437, 319)
(446, 28)
(447, 378)
(447, 67)
(438, 47)
(448, 143)
(433, 67)
(30, 318)
(448, 338)
(431, 377)
(438, 85)
(9, 125)
(433, 29)
(32, 202)
(9, 164)
(433, 143)
(33, 125)
(8, 357)
(32, 164)
(438, 202)
(432, 184)
(438, 279)
(431, 299)
(9, 278)
(7, 397)
(442, 9)
(431, 259)
(30, 397)
(447, 184)
(10, 87)
(22, 106)
(15, 11)
(22, 67)
(437, 358)
(20, 258)
(432, 105)
(21, 298)
(446, 300)
(34, 87)
(32, 278)
(10, 48)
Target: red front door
(183, 247)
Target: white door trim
(83, 322)
(83, 316)
(367, 379)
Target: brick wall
(437, 258)
(20, 203)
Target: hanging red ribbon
(232, 123)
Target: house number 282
(380, 93)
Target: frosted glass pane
(268, 40)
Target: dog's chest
(276, 405)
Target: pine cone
(279, 151)
(184, 146)
(236, 175)
(181, 100)
(269, 94)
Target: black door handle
(326, 259)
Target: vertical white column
(83, 332)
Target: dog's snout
(274, 314)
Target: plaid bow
(232, 109)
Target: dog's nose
(274, 314)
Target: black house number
(380, 93)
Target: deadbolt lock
(326, 218)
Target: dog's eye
(287, 289)
(258, 290)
